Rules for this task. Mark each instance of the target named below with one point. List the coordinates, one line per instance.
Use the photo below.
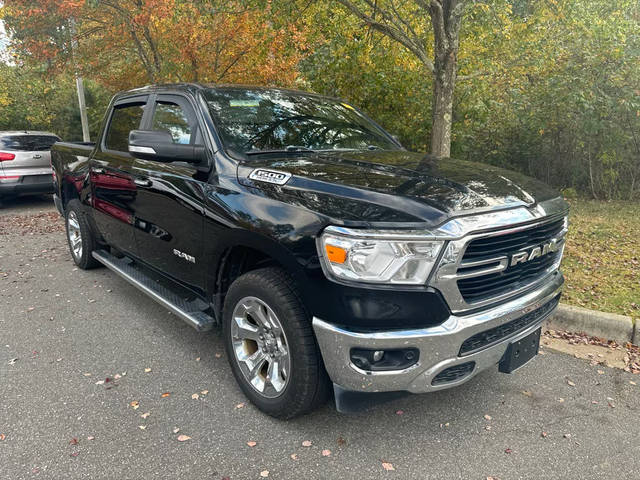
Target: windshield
(254, 121)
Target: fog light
(377, 360)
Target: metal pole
(83, 109)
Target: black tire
(308, 384)
(84, 259)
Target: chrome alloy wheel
(74, 234)
(260, 347)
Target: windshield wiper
(287, 149)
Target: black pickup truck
(329, 254)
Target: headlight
(379, 256)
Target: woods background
(550, 88)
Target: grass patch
(602, 257)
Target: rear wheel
(79, 236)
(271, 346)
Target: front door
(113, 188)
(169, 199)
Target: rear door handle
(142, 182)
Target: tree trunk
(446, 16)
(443, 86)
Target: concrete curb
(609, 326)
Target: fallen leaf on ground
(90, 438)
(218, 355)
(544, 434)
(387, 466)
(183, 438)
(487, 417)
(13, 361)
(508, 450)
(527, 393)
(561, 400)
(117, 376)
(341, 441)
(176, 430)
(195, 396)
(204, 392)
(240, 405)
(73, 441)
(399, 412)
(142, 427)
(147, 370)
(165, 395)
(600, 372)
(264, 473)
(2, 437)
(632, 382)
(570, 383)
(74, 454)
(306, 443)
(294, 456)
(197, 359)
(567, 435)
(135, 404)
(145, 415)
(326, 453)
(487, 427)
(87, 374)
(252, 443)
(100, 382)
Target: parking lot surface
(98, 381)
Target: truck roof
(193, 87)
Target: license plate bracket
(520, 352)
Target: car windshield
(255, 121)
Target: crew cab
(331, 256)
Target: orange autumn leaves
(126, 43)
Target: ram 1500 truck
(329, 254)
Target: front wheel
(271, 346)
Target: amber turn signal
(335, 254)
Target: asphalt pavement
(98, 381)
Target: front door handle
(142, 182)
(98, 170)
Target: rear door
(31, 156)
(113, 189)
(169, 200)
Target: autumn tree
(406, 23)
(125, 43)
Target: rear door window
(28, 143)
(125, 118)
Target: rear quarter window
(28, 143)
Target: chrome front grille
(489, 285)
(484, 268)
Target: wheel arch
(242, 256)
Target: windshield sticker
(270, 176)
(244, 103)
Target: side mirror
(158, 145)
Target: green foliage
(30, 99)
(552, 88)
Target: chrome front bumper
(438, 346)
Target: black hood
(394, 186)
